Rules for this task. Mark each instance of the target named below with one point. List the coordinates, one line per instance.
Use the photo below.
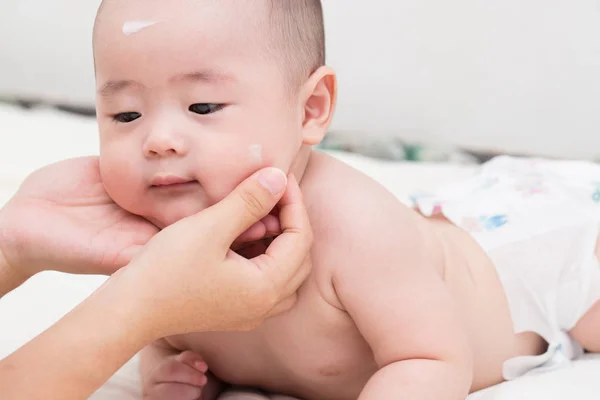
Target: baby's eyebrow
(111, 88)
(205, 76)
(114, 87)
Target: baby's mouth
(169, 179)
(173, 183)
(176, 184)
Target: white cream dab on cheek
(131, 27)
(256, 153)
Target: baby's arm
(403, 309)
(167, 372)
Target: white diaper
(539, 221)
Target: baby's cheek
(279, 159)
(224, 171)
(219, 187)
(228, 169)
(120, 178)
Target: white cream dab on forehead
(131, 27)
(256, 153)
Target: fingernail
(203, 380)
(201, 366)
(272, 179)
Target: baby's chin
(169, 215)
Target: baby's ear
(319, 96)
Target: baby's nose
(165, 144)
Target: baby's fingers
(267, 227)
(179, 391)
(192, 359)
(174, 371)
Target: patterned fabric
(393, 148)
(538, 222)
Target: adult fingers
(251, 201)
(284, 260)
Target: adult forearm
(73, 358)
(418, 380)
(9, 279)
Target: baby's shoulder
(360, 229)
(349, 211)
(340, 197)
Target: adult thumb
(251, 201)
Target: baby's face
(188, 106)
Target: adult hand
(62, 219)
(187, 279)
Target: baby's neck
(301, 162)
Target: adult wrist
(10, 279)
(123, 297)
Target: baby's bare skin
(397, 305)
(318, 350)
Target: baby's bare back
(315, 351)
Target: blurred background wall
(516, 76)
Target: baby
(484, 281)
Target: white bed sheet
(30, 139)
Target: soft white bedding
(30, 139)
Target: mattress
(30, 139)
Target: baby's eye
(205, 108)
(127, 117)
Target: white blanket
(30, 139)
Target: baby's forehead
(228, 18)
(287, 34)
(185, 29)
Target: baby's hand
(178, 377)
